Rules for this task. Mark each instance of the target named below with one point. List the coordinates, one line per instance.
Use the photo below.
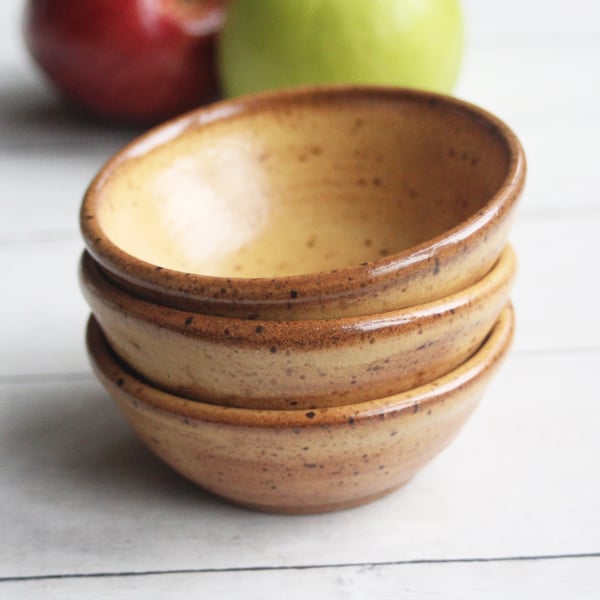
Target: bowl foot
(308, 509)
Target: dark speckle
(310, 414)
(120, 382)
(259, 329)
(433, 102)
(227, 332)
(351, 420)
(416, 407)
(436, 267)
(189, 320)
(293, 294)
(273, 350)
(159, 268)
(310, 465)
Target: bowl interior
(295, 187)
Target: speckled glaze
(302, 461)
(296, 364)
(308, 204)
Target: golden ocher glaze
(302, 461)
(308, 204)
(302, 364)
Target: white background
(510, 510)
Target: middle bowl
(296, 364)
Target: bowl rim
(292, 333)
(309, 287)
(480, 366)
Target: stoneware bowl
(302, 461)
(308, 204)
(301, 364)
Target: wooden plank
(42, 313)
(524, 23)
(517, 83)
(564, 579)
(80, 495)
(558, 284)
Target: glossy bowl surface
(301, 364)
(302, 461)
(308, 204)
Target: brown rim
(475, 370)
(287, 334)
(313, 286)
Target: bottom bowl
(297, 461)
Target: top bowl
(308, 204)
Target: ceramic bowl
(308, 204)
(302, 364)
(302, 461)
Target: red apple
(136, 61)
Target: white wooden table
(510, 510)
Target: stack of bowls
(299, 297)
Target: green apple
(268, 44)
